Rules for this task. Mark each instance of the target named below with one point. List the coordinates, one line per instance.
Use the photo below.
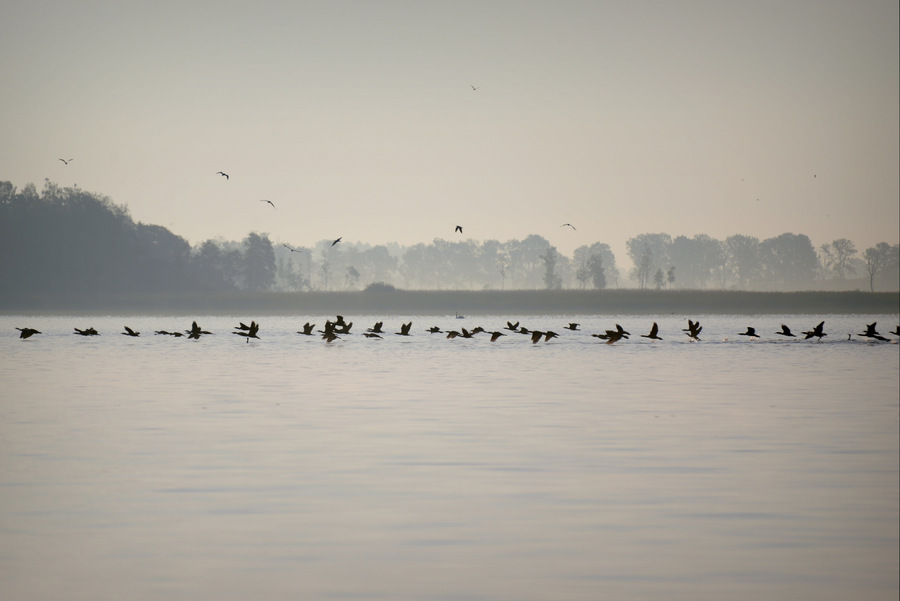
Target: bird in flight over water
(336, 241)
(458, 228)
(474, 87)
(568, 224)
(268, 201)
(223, 174)
(65, 161)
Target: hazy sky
(358, 119)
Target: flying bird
(404, 329)
(27, 332)
(572, 326)
(693, 330)
(569, 225)
(376, 329)
(750, 332)
(248, 331)
(785, 331)
(512, 326)
(268, 201)
(474, 87)
(458, 228)
(307, 329)
(336, 241)
(816, 331)
(65, 161)
(371, 335)
(129, 332)
(654, 330)
(293, 250)
(223, 174)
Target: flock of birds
(333, 330)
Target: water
(421, 468)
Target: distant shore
(493, 302)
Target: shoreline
(492, 302)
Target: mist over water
(425, 468)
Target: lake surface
(422, 468)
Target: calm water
(423, 468)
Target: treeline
(65, 242)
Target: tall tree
(880, 257)
(259, 263)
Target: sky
(396, 121)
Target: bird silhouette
(404, 329)
(307, 329)
(785, 331)
(87, 332)
(293, 250)
(896, 331)
(330, 337)
(27, 332)
(496, 335)
(750, 332)
(268, 201)
(376, 329)
(871, 333)
(336, 241)
(249, 332)
(222, 173)
(65, 161)
(452, 334)
(371, 335)
(693, 330)
(568, 225)
(129, 332)
(458, 228)
(572, 326)
(816, 331)
(195, 332)
(474, 87)
(512, 326)
(434, 330)
(654, 330)
(536, 336)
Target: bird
(458, 228)
(250, 332)
(404, 329)
(222, 173)
(330, 337)
(474, 87)
(871, 333)
(268, 201)
(343, 327)
(512, 326)
(654, 330)
(293, 250)
(896, 331)
(434, 330)
(693, 330)
(65, 161)
(307, 329)
(176, 334)
(27, 332)
(336, 241)
(816, 331)
(129, 332)
(376, 329)
(785, 331)
(87, 332)
(371, 335)
(572, 326)
(452, 334)
(242, 326)
(550, 334)
(536, 336)
(496, 335)
(568, 225)
(195, 331)
(750, 332)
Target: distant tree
(788, 261)
(552, 281)
(659, 278)
(379, 287)
(325, 272)
(647, 252)
(259, 263)
(670, 276)
(742, 259)
(838, 256)
(880, 257)
(596, 271)
(697, 259)
(584, 255)
(352, 277)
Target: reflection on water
(424, 468)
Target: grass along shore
(451, 302)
